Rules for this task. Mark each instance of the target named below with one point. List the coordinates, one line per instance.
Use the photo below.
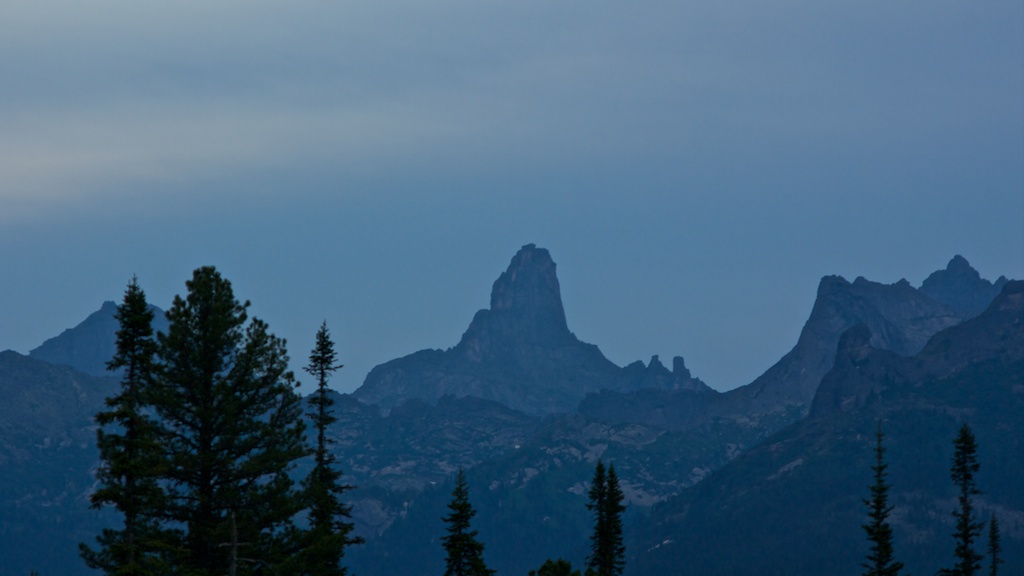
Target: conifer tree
(607, 551)
(464, 552)
(129, 451)
(230, 425)
(995, 548)
(597, 495)
(329, 517)
(880, 561)
(968, 528)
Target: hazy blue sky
(693, 167)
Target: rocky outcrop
(518, 352)
(960, 287)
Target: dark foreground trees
(607, 551)
(880, 560)
(197, 448)
(464, 553)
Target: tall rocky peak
(529, 288)
(518, 352)
(526, 309)
(961, 287)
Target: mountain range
(527, 408)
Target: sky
(694, 168)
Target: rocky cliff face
(519, 352)
(899, 318)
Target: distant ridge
(91, 344)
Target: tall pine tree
(129, 450)
(968, 527)
(464, 553)
(329, 517)
(607, 551)
(231, 428)
(880, 561)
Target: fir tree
(129, 451)
(968, 528)
(329, 517)
(230, 425)
(995, 548)
(880, 561)
(607, 551)
(597, 495)
(464, 551)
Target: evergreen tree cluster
(196, 449)
(880, 560)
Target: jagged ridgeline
(712, 479)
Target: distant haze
(693, 168)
